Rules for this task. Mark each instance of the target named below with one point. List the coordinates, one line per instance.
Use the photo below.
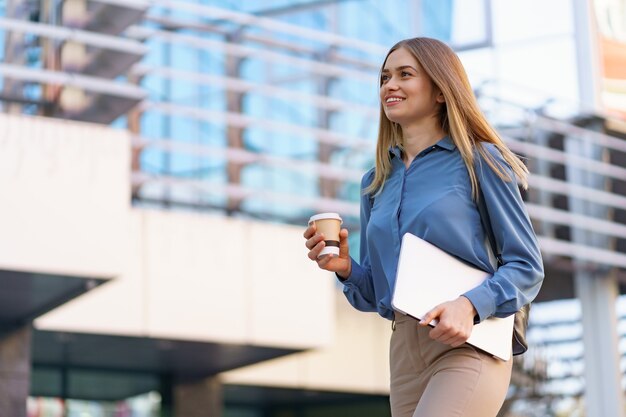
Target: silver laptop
(428, 276)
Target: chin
(395, 120)
(392, 118)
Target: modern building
(160, 159)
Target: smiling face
(407, 94)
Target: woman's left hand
(455, 321)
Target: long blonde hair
(459, 116)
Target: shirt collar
(395, 151)
(445, 143)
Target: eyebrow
(400, 68)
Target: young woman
(435, 155)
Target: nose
(391, 84)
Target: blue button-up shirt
(432, 199)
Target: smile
(390, 101)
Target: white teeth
(391, 99)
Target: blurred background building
(159, 160)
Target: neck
(417, 138)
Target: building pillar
(597, 291)
(198, 399)
(603, 388)
(588, 62)
(15, 372)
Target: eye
(405, 73)
(384, 78)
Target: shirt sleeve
(518, 280)
(358, 287)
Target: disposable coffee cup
(328, 224)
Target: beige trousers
(431, 379)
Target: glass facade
(274, 115)
(251, 108)
(302, 93)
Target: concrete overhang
(27, 295)
(112, 16)
(83, 97)
(109, 368)
(100, 108)
(108, 63)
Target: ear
(440, 98)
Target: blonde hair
(459, 116)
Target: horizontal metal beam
(583, 163)
(242, 51)
(568, 129)
(172, 23)
(241, 156)
(238, 191)
(272, 25)
(576, 221)
(243, 86)
(79, 36)
(537, 120)
(241, 120)
(88, 83)
(581, 252)
(577, 191)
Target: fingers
(449, 334)
(431, 315)
(313, 241)
(315, 244)
(452, 328)
(314, 253)
(344, 250)
(310, 231)
(455, 341)
(312, 238)
(458, 342)
(323, 261)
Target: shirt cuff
(483, 302)
(356, 273)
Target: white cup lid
(322, 216)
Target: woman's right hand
(342, 264)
